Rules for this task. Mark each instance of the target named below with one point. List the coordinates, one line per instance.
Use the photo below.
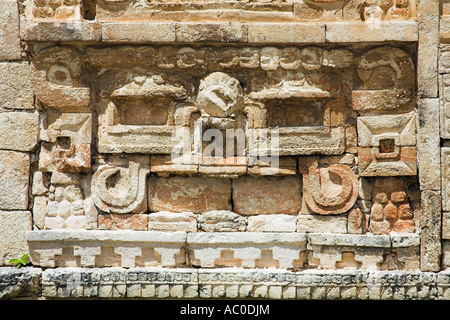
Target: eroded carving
(329, 190)
(121, 190)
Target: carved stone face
(270, 58)
(219, 95)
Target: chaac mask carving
(116, 116)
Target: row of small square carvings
(239, 283)
(295, 251)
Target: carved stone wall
(280, 134)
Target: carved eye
(63, 142)
(59, 74)
(387, 146)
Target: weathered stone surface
(267, 195)
(138, 32)
(19, 130)
(15, 86)
(18, 283)
(428, 145)
(278, 33)
(14, 180)
(122, 221)
(212, 32)
(427, 66)
(319, 223)
(371, 31)
(172, 221)
(430, 231)
(446, 225)
(191, 194)
(61, 31)
(13, 227)
(221, 221)
(272, 223)
(9, 31)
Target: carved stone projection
(121, 190)
(329, 190)
(386, 143)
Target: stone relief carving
(144, 96)
(121, 190)
(331, 190)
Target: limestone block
(9, 31)
(428, 145)
(445, 158)
(120, 221)
(428, 51)
(385, 100)
(247, 250)
(430, 231)
(267, 195)
(172, 221)
(446, 255)
(138, 32)
(278, 33)
(40, 209)
(398, 71)
(444, 101)
(372, 31)
(446, 225)
(319, 223)
(19, 130)
(15, 86)
(14, 180)
(60, 31)
(13, 227)
(221, 221)
(357, 221)
(189, 194)
(272, 223)
(286, 166)
(56, 73)
(211, 32)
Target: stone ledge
(280, 250)
(187, 283)
(372, 32)
(220, 32)
(240, 283)
(24, 282)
